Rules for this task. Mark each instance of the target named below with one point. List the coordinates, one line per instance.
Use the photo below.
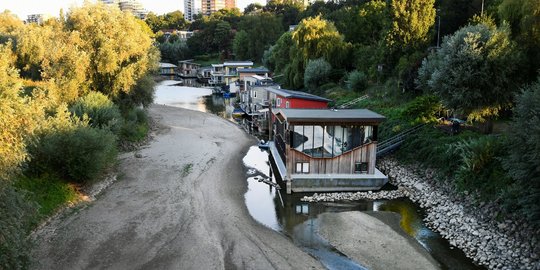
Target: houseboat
(168, 70)
(323, 150)
(188, 69)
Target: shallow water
(297, 219)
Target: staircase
(352, 102)
(391, 144)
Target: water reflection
(299, 220)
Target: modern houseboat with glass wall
(317, 150)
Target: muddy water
(299, 220)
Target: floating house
(227, 73)
(188, 69)
(315, 150)
(167, 69)
(284, 98)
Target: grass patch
(48, 192)
(186, 170)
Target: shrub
(79, 154)
(142, 94)
(316, 74)
(423, 109)
(16, 216)
(135, 125)
(479, 168)
(523, 159)
(103, 113)
(357, 81)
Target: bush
(357, 81)
(523, 159)
(103, 113)
(79, 154)
(316, 74)
(423, 109)
(135, 125)
(479, 168)
(142, 94)
(16, 216)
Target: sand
(179, 206)
(375, 240)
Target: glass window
(298, 167)
(305, 167)
(278, 102)
(360, 167)
(287, 104)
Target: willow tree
(411, 21)
(318, 38)
(473, 72)
(119, 48)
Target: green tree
(253, 8)
(411, 21)
(241, 45)
(357, 81)
(316, 74)
(118, 47)
(316, 38)
(222, 37)
(524, 19)
(474, 71)
(253, 26)
(523, 148)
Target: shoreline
(473, 229)
(178, 203)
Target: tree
(222, 37)
(316, 38)
(474, 71)
(411, 21)
(524, 18)
(317, 73)
(524, 146)
(288, 11)
(241, 45)
(253, 8)
(253, 26)
(119, 54)
(171, 20)
(18, 116)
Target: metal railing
(352, 102)
(391, 144)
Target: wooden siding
(342, 164)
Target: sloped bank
(504, 244)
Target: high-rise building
(189, 9)
(211, 6)
(37, 18)
(230, 3)
(132, 6)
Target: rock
(138, 155)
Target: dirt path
(180, 206)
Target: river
(296, 219)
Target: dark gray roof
(296, 94)
(330, 115)
(253, 70)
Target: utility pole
(439, 28)
(482, 10)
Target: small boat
(237, 112)
(263, 145)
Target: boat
(263, 145)
(238, 112)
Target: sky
(22, 8)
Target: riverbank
(177, 204)
(475, 229)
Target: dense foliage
(68, 92)
(523, 147)
(474, 72)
